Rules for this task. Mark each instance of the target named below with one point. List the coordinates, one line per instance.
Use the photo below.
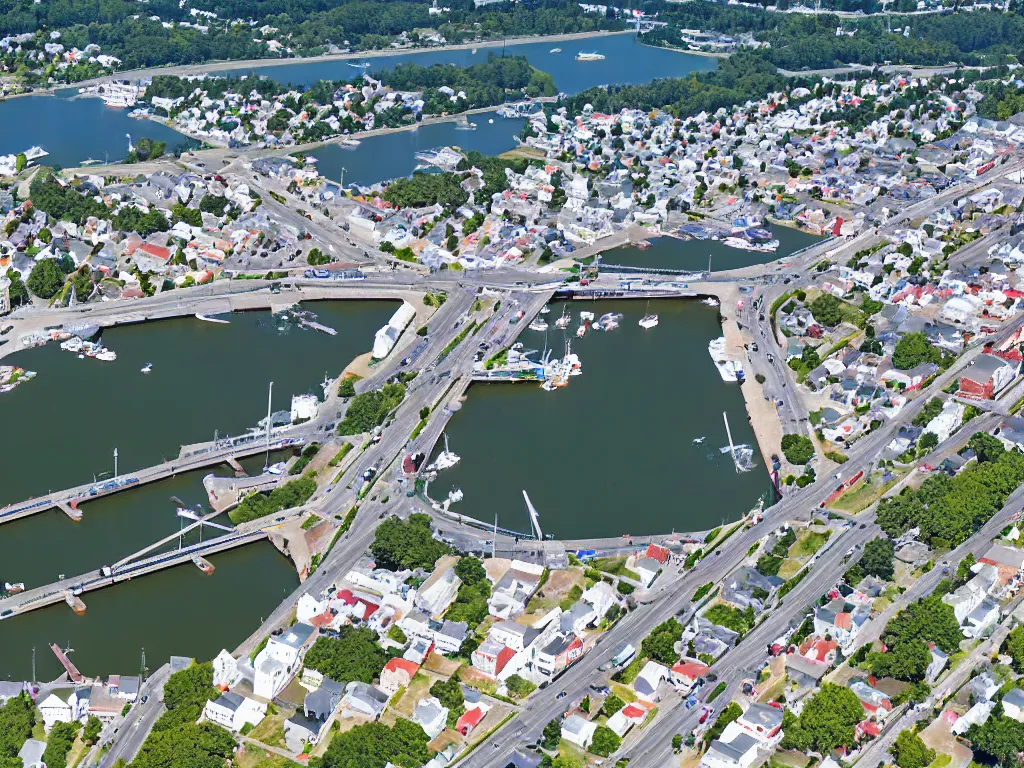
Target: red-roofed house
(470, 719)
(397, 673)
(867, 730)
(491, 657)
(156, 251)
(820, 649)
(657, 552)
(685, 674)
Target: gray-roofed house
(321, 703)
(364, 699)
(31, 753)
(300, 730)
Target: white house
(225, 670)
(54, 710)
(438, 592)
(650, 677)
(31, 754)
(233, 711)
(1013, 704)
(578, 731)
(430, 716)
(278, 662)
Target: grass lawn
(270, 731)
(616, 566)
(865, 493)
(808, 543)
(624, 692)
(941, 761)
(788, 569)
(78, 751)
(254, 757)
(419, 688)
(631, 670)
(726, 616)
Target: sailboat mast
(728, 432)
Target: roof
(691, 669)
(983, 368)
(764, 716)
(1002, 555)
(230, 701)
(1014, 696)
(470, 718)
(405, 665)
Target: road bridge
(191, 458)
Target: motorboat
(555, 50)
(350, 142)
(648, 321)
(729, 370)
(538, 325)
(716, 348)
(147, 368)
(107, 355)
(589, 56)
(743, 244)
(545, 309)
(582, 330)
(586, 316)
(711, 301)
(13, 589)
(563, 322)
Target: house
(626, 718)
(124, 686)
(982, 618)
(578, 731)
(31, 754)
(397, 673)
(763, 722)
(1008, 561)
(986, 376)
(279, 660)
(1013, 704)
(364, 699)
(430, 716)
(686, 674)
(444, 636)
(491, 657)
(562, 650)
(976, 715)
(657, 552)
(471, 719)
(225, 670)
(601, 597)
(321, 703)
(438, 592)
(9, 690)
(741, 752)
(513, 635)
(579, 616)
(650, 677)
(876, 703)
(514, 589)
(939, 659)
(54, 710)
(300, 730)
(646, 569)
(233, 711)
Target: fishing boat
(711, 301)
(563, 322)
(147, 368)
(589, 56)
(538, 325)
(582, 330)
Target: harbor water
(206, 377)
(672, 253)
(613, 452)
(179, 611)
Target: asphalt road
(136, 725)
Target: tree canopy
(827, 721)
(63, 201)
(353, 655)
(827, 310)
(46, 278)
(369, 409)
(913, 349)
(400, 544)
(374, 745)
(798, 449)
(877, 559)
(910, 751)
(907, 635)
(1000, 738)
(17, 717)
(605, 741)
(660, 643)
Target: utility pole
(494, 540)
(343, 169)
(115, 463)
(143, 669)
(33, 665)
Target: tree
(470, 570)
(519, 687)
(400, 544)
(59, 742)
(907, 635)
(913, 349)
(17, 717)
(827, 310)
(93, 728)
(373, 745)
(828, 721)
(728, 715)
(605, 742)
(568, 760)
(927, 441)
(20, 162)
(551, 735)
(1015, 647)
(185, 695)
(910, 751)
(353, 655)
(1001, 738)
(17, 291)
(877, 559)
(987, 447)
(369, 409)
(46, 278)
(798, 449)
(317, 258)
(612, 704)
(660, 644)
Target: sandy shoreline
(222, 66)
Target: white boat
(589, 56)
(585, 316)
(648, 321)
(545, 309)
(538, 325)
(710, 301)
(147, 368)
(582, 330)
(107, 356)
(275, 469)
(473, 52)
(555, 50)
(597, 326)
(563, 322)
(729, 370)
(716, 348)
(360, 65)
(13, 589)
(445, 459)
(741, 243)
(698, 440)
(349, 142)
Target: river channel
(79, 129)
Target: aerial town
(844, 241)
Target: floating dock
(73, 674)
(317, 327)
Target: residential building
(576, 730)
(397, 673)
(233, 711)
(279, 661)
(430, 716)
(364, 699)
(648, 681)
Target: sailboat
(445, 459)
(563, 322)
(649, 320)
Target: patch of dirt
(939, 737)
